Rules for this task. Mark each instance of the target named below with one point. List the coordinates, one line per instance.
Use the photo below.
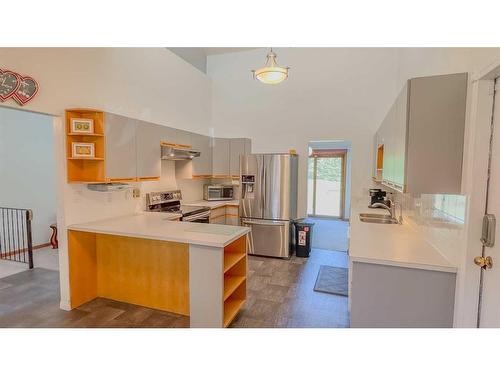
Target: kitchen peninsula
(192, 269)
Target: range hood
(177, 152)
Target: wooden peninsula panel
(144, 272)
(140, 271)
(82, 267)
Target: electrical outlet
(136, 193)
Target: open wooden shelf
(231, 283)
(231, 259)
(86, 170)
(85, 135)
(96, 159)
(238, 246)
(231, 309)
(235, 278)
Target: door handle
(263, 222)
(484, 262)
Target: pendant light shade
(271, 73)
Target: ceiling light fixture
(271, 73)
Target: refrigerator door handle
(263, 222)
(263, 179)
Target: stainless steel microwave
(218, 192)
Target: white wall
(150, 84)
(27, 168)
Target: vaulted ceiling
(197, 56)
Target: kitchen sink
(377, 219)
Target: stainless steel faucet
(391, 209)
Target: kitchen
(143, 163)
(266, 188)
(162, 153)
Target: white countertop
(213, 204)
(392, 244)
(163, 215)
(157, 226)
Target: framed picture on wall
(82, 125)
(83, 150)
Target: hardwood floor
(280, 294)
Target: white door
(490, 298)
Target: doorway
(326, 182)
(28, 202)
(328, 193)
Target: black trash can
(303, 237)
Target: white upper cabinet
(148, 148)
(238, 147)
(220, 157)
(120, 148)
(399, 132)
(202, 165)
(423, 136)
(387, 139)
(175, 136)
(226, 154)
(133, 151)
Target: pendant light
(271, 73)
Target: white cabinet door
(374, 155)
(176, 136)
(148, 150)
(388, 140)
(237, 148)
(399, 139)
(202, 165)
(248, 146)
(220, 157)
(121, 161)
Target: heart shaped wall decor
(9, 84)
(26, 91)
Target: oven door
(268, 237)
(203, 217)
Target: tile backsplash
(439, 218)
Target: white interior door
(490, 297)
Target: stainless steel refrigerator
(268, 202)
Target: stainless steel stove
(170, 201)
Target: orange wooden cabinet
(86, 169)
